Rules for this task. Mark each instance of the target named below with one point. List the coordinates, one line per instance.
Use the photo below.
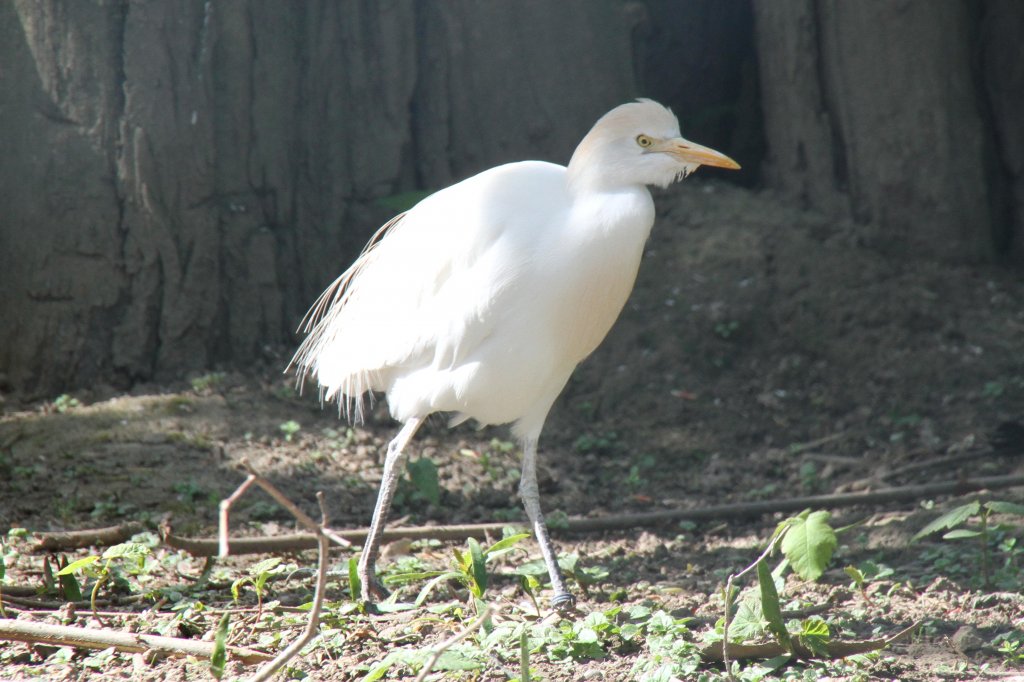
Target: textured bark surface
(182, 178)
(1002, 63)
(875, 106)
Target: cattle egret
(482, 299)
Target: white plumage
(482, 299)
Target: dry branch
(303, 541)
(94, 638)
(323, 538)
(833, 649)
(92, 537)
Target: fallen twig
(91, 537)
(323, 539)
(302, 541)
(96, 638)
(452, 641)
(833, 649)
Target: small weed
(636, 479)
(65, 402)
(492, 458)
(810, 482)
(208, 382)
(289, 429)
(421, 485)
(115, 560)
(599, 443)
(1011, 646)
(726, 329)
(959, 526)
(468, 568)
(993, 389)
(258, 575)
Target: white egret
(482, 299)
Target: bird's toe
(563, 603)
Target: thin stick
(323, 541)
(728, 597)
(313, 624)
(302, 541)
(452, 641)
(225, 510)
(76, 539)
(96, 638)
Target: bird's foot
(564, 603)
(371, 591)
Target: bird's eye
(644, 141)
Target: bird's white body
(471, 304)
(482, 299)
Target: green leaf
(479, 568)
(814, 634)
(809, 543)
(1005, 507)
(131, 550)
(505, 544)
(770, 605)
(265, 566)
(748, 621)
(423, 474)
(453, 660)
(524, 656)
(951, 519)
(220, 647)
(961, 533)
(534, 568)
(78, 565)
(355, 587)
(855, 575)
(429, 587)
(236, 587)
(69, 586)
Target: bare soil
(766, 353)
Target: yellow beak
(691, 152)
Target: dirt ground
(765, 354)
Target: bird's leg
(528, 490)
(371, 586)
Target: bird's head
(638, 143)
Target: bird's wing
(422, 292)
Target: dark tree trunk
(873, 108)
(182, 178)
(1002, 63)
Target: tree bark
(873, 106)
(182, 178)
(1002, 64)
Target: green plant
(423, 477)
(958, 526)
(65, 402)
(726, 329)
(207, 382)
(807, 543)
(112, 559)
(600, 443)
(289, 429)
(583, 576)
(1011, 646)
(469, 567)
(257, 575)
